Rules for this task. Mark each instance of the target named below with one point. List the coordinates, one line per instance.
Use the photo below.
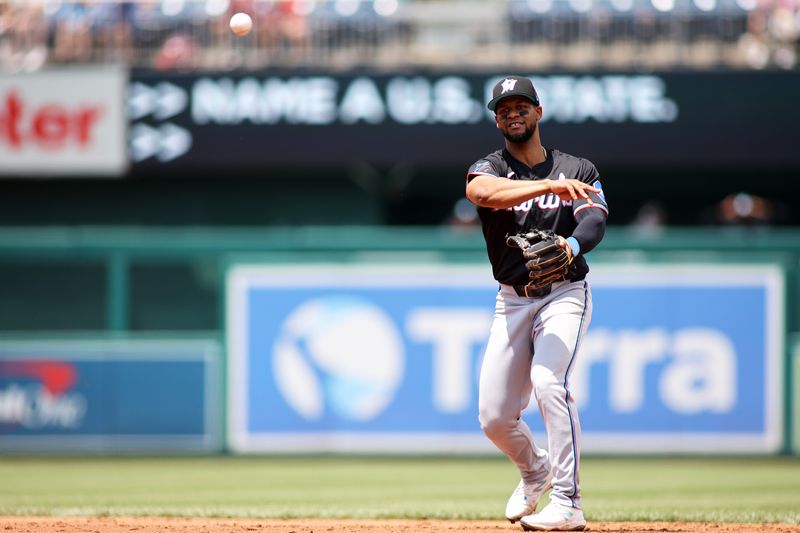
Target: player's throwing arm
(500, 193)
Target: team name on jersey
(547, 201)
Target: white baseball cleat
(525, 498)
(554, 517)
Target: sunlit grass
(696, 489)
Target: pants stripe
(566, 397)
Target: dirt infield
(74, 524)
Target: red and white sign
(63, 122)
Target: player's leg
(560, 326)
(505, 387)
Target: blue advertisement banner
(100, 395)
(355, 358)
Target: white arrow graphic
(171, 100)
(145, 142)
(166, 142)
(175, 142)
(141, 100)
(165, 100)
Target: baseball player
(539, 320)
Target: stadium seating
(597, 34)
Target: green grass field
(642, 489)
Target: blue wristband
(575, 245)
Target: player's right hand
(572, 189)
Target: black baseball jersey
(546, 212)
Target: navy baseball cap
(513, 86)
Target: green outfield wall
(145, 279)
(122, 281)
(794, 408)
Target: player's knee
(494, 424)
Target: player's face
(516, 118)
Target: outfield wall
(687, 352)
(794, 404)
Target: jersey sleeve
(588, 174)
(482, 167)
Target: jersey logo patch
(482, 166)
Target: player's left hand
(548, 259)
(562, 242)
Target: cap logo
(508, 85)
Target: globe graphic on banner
(341, 355)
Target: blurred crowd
(753, 34)
(166, 34)
(189, 34)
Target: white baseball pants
(532, 347)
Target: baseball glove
(548, 261)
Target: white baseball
(241, 24)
